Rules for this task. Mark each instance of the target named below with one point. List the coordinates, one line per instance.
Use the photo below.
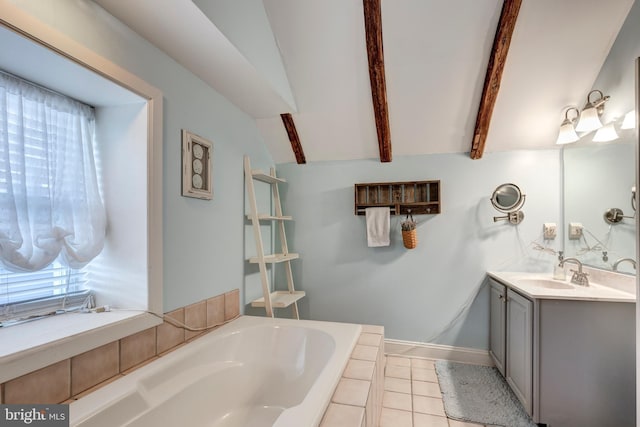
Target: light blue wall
(617, 76)
(203, 243)
(416, 293)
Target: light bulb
(605, 133)
(567, 134)
(629, 121)
(589, 120)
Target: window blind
(52, 219)
(48, 291)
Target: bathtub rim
(345, 335)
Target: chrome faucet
(631, 260)
(579, 277)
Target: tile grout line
(411, 389)
(413, 413)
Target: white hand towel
(378, 225)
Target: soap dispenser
(558, 271)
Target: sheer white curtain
(50, 206)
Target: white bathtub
(251, 372)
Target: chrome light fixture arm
(590, 114)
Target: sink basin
(546, 283)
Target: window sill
(34, 345)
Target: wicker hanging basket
(410, 238)
(409, 232)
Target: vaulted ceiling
(308, 58)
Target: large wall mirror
(599, 177)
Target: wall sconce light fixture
(590, 115)
(605, 133)
(629, 121)
(615, 215)
(567, 132)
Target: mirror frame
(511, 208)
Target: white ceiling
(308, 57)
(557, 51)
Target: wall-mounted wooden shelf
(415, 197)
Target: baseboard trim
(437, 351)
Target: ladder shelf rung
(280, 299)
(261, 176)
(267, 217)
(274, 258)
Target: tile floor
(412, 396)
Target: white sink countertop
(610, 287)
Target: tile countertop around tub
(529, 285)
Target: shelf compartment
(421, 197)
(274, 258)
(259, 175)
(280, 299)
(419, 208)
(268, 217)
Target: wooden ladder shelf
(270, 299)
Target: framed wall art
(196, 166)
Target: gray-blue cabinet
(511, 340)
(498, 325)
(519, 342)
(570, 362)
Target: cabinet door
(497, 328)
(519, 355)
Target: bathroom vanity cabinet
(571, 362)
(512, 340)
(498, 325)
(519, 353)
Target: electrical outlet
(575, 230)
(549, 230)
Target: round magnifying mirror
(507, 198)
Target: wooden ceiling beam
(501, 42)
(296, 146)
(373, 30)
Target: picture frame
(197, 154)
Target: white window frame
(48, 345)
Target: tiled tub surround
(77, 376)
(357, 400)
(252, 371)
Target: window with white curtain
(52, 218)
